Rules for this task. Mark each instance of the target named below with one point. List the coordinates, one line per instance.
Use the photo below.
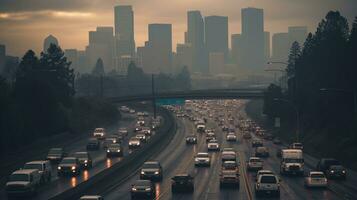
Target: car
(261, 172)
(228, 178)
(134, 143)
(142, 137)
(123, 131)
(254, 164)
(202, 159)
(142, 189)
(261, 152)
(93, 144)
(115, 150)
(213, 145)
(137, 128)
(210, 136)
(332, 168)
(230, 165)
(99, 133)
(151, 170)
(277, 141)
(56, 154)
(224, 128)
(140, 122)
(231, 137)
(23, 182)
(69, 165)
(84, 158)
(44, 168)
(182, 183)
(124, 109)
(146, 131)
(91, 197)
(315, 179)
(110, 140)
(132, 111)
(200, 128)
(191, 139)
(229, 155)
(336, 172)
(267, 184)
(257, 143)
(297, 145)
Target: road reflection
(85, 175)
(157, 190)
(108, 163)
(73, 182)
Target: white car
(213, 145)
(261, 172)
(316, 179)
(44, 167)
(231, 137)
(99, 133)
(254, 163)
(267, 184)
(202, 159)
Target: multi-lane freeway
(179, 157)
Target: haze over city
(24, 24)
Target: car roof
(90, 197)
(202, 153)
(265, 171)
(316, 172)
(68, 158)
(37, 162)
(152, 162)
(254, 158)
(24, 171)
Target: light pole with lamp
(296, 113)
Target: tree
(184, 78)
(294, 55)
(99, 68)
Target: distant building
(72, 56)
(83, 62)
(252, 38)
(266, 46)
(216, 35)
(157, 53)
(183, 56)
(124, 30)
(216, 63)
(48, 41)
(195, 37)
(123, 63)
(280, 44)
(236, 44)
(297, 33)
(101, 45)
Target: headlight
(332, 171)
(142, 172)
(134, 189)
(59, 168)
(118, 150)
(147, 189)
(196, 160)
(343, 171)
(108, 150)
(156, 172)
(130, 143)
(85, 161)
(73, 167)
(114, 141)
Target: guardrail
(121, 170)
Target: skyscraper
(266, 46)
(236, 43)
(216, 35)
(183, 56)
(101, 45)
(253, 38)
(124, 30)
(280, 48)
(72, 56)
(297, 33)
(157, 55)
(195, 37)
(48, 41)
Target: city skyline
(19, 23)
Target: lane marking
(246, 181)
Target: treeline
(39, 101)
(322, 87)
(135, 82)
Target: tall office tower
(266, 46)
(83, 62)
(72, 56)
(48, 41)
(2, 57)
(157, 55)
(297, 33)
(101, 45)
(236, 43)
(195, 36)
(124, 30)
(280, 46)
(183, 57)
(216, 62)
(253, 38)
(216, 35)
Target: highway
(100, 161)
(179, 158)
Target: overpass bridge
(194, 94)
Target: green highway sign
(161, 102)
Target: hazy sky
(25, 23)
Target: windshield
(33, 166)
(114, 146)
(55, 151)
(293, 160)
(203, 155)
(268, 179)
(19, 177)
(151, 165)
(68, 161)
(317, 176)
(81, 155)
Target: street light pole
(297, 116)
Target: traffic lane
(100, 162)
(166, 157)
(291, 187)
